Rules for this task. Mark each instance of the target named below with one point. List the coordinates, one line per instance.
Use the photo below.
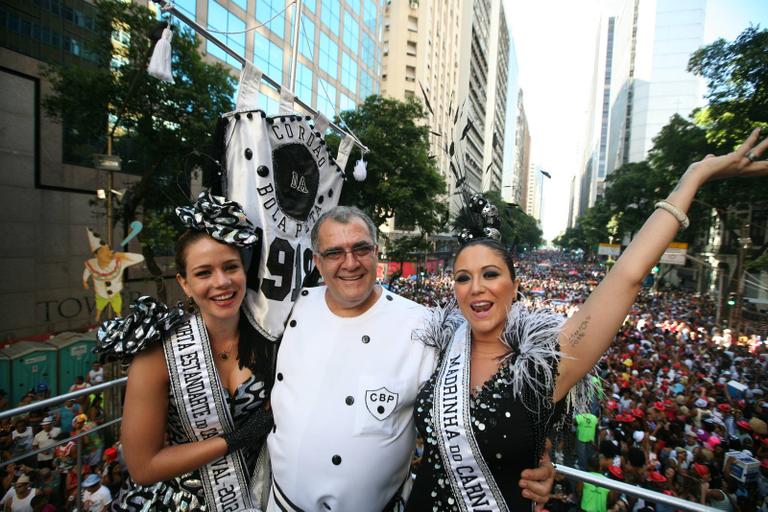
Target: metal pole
(42, 404)
(720, 284)
(79, 472)
(295, 43)
(108, 194)
(633, 490)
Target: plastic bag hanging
(361, 171)
(160, 63)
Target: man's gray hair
(342, 215)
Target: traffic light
(732, 299)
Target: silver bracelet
(676, 212)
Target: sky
(555, 47)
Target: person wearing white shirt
(44, 439)
(95, 374)
(96, 497)
(347, 375)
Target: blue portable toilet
(75, 356)
(33, 363)
(5, 374)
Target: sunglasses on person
(359, 250)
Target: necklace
(224, 355)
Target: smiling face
(484, 288)
(214, 278)
(350, 277)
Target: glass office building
(339, 58)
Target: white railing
(569, 472)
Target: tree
(403, 180)
(159, 128)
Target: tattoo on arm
(575, 337)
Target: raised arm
(589, 332)
(144, 423)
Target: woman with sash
(194, 417)
(508, 375)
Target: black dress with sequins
(505, 433)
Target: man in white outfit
(347, 375)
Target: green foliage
(402, 179)
(157, 127)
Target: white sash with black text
(471, 480)
(204, 413)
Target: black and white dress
(511, 415)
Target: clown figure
(106, 268)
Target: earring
(191, 306)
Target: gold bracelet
(676, 212)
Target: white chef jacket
(343, 403)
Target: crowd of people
(48, 480)
(682, 398)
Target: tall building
(522, 157)
(642, 64)
(535, 193)
(48, 198)
(459, 52)
(650, 82)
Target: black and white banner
(204, 413)
(471, 480)
(279, 169)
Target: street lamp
(109, 163)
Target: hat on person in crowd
(655, 476)
(724, 408)
(744, 425)
(110, 454)
(23, 479)
(618, 473)
(659, 406)
(612, 405)
(700, 403)
(638, 436)
(684, 410)
(91, 480)
(714, 440)
(46, 421)
(624, 418)
(628, 363)
(700, 469)
(680, 399)
(79, 417)
(637, 412)
(758, 426)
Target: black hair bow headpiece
(224, 220)
(483, 220)
(148, 322)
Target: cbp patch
(380, 402)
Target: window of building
(308, 4)
(330, 15)
(307, 38)
(351, 32)
(413, 23)
(266, 9)
(326, 98)
(268, 57)
(354, 5)
(366, 84)
(346, 103)
(410, 73)
(411, 48)
(369, 14)
(222, 20)
(243, 4)
(304, 84)
(348, 72)
(268, 104)
(329, 56)
(409, 93)
(368, 54)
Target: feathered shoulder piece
(532, 338)
(148, 323)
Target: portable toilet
(5, 374)
(33, 363)
(75, 356)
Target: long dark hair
(495, 247)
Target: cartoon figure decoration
(106, 269)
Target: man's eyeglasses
(358, 251)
